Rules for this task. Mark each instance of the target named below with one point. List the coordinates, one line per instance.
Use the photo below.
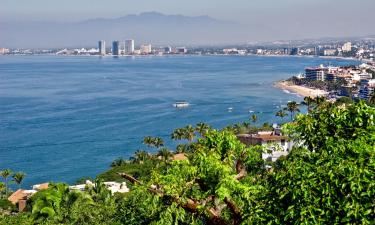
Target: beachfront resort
(355, 82)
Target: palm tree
(202, 128)
(292, 107)
(5, 174)
(181, 148)
(165, 154)
(141, 156)
(189, 133)
(148, 141)
(371, 100)
(281, 114)
(158, 142)
(254, 118)
(153, 141)
(2, 189)
(319, 100)
(308, 101)
(18, 178)
(178, 134)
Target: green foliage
(21, 218)
(137, 170)
(5, 174)
(18, 178)
(292, 107)
(6, 205)
(344, 100)
(156, 142)
(328, 178)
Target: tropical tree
(46, 204)
(292, 107)
(202, 128)
(330, 177)
(372, 99)
(178, 134)
(156, 142)
(2, 189)
(187, 133)
(182, 148)
(5, 174)
(254, 118)
(281, 114)
(308, 101)
(165, 154)
(140, 156)
(18, 178)
(320, 101)
(211, 188)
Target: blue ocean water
(62, 118)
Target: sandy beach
(300, 90)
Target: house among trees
(276, 144)
(21, 196)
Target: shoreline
(300, 90)
(172, 55)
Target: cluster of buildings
(363, 49)
(360, 50)
(358, 81)
(4, 51)
(21, 196)
(127, 47)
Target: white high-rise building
(146, 49)
(129, 47)
(347, 47)
(101, 47)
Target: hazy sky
(261, 19)
(244, 11)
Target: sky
(263, 19)
(243, 11)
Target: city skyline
(219, 22)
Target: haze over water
(62, 118)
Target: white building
(4, 51)
(329, 52)
(275, 143)
(181, 50)
(129, 47)
(146, 49)
(316, 73)
(347, 47)
(114, 187)
(101, 47)
(366, 89)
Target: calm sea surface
(62, 118)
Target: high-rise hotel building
(101, 47)
(117, 47)
(146, 49)
(129, 47)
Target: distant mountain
(149, 27)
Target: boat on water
(181, 104)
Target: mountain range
(148, 27)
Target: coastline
(300, 90)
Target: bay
(66, 117)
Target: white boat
(181, 104)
